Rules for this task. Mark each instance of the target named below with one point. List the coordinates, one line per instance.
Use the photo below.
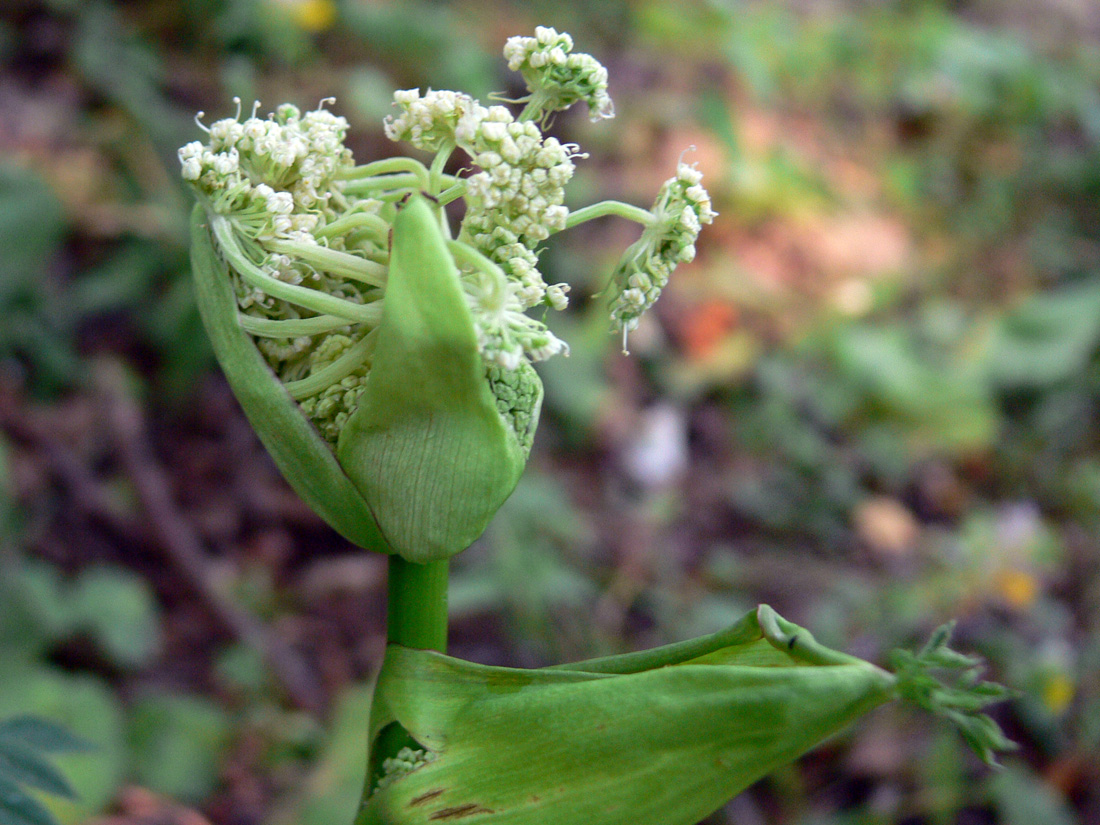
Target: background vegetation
(871, 402)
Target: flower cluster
(430, 122)
(299, 155)
(405, 762)
(513, 203)
(273, 190)
(681, 208)
(517, 199)
(306, 233)
(384, 358)
(506, 335)
(556, 78)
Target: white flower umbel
(429, 122)
(507, 335)
(514, 202)
(306, 232)
(517, 199)
(556, 78)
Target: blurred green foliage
(27, 744)
(884, 367)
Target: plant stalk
(417, 605)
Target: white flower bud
(191, 169)
(556, 295)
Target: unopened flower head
(681, 208)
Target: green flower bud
(355, 347)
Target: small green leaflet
(25, 743)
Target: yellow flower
(1017, 587)
(1058, 690)
(314, 15)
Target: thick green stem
(417, 608)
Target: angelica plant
(386, 359)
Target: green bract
(427, 446)
(304, 458)
(427, 454)
(662, 737)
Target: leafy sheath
(302, 456)
(663, 737)
(428, 456)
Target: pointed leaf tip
(427, 445)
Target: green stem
(333, 261)
(252, 275)
(385, 167)
(352, 359)
(452, 193)
(382, 183)
(417, 607)
(439, 163)
(295, 327)
(604, 208)
(375, 224)
(529, 111)
(463, 253)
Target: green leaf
(34, 609)
(1025, 799)
(22, 766)
(330, 793)
(1048, 338)
(302, 456)
(17, 807)
(662, 737)
(178, 744)
(86, 707)
(31, 227)
(42, 735)
(119, 609)
(427, 446)
(25, 767)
